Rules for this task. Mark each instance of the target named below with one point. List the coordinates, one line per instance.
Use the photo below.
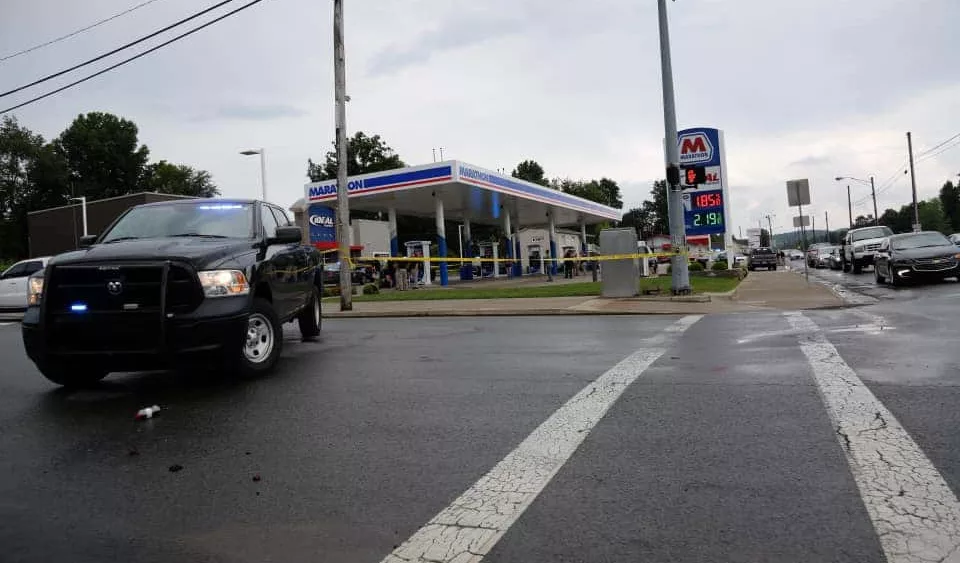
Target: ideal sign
(323, 232)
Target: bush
(371, 289)
(719, 265)
(695, 267)
(332, 291)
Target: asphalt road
(720, 438)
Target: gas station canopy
(466, 192)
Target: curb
(530, 313)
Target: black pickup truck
(171, 285)
(762, 257)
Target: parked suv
(860, 247)
(172, 284)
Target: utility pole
(826, 219)
(813, 227)
(680, 276)
(873, 192)
(770, 224)
(849, 206)
(343, 206)
(913, 186)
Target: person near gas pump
(568, 257)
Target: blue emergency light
(79, 307)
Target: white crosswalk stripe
(466, 530)
(914, 511)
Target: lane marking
(913, 510)
(468, 529)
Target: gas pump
(534, 259)
(421, 249)
(488, 251)
(642, 248)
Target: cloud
(258, 112)
(454, 33)
(811, 161)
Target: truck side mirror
(87, 240)
(286, 235)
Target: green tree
(32, 176)
(657, 209)
(639, 219)
(891, 219)
(364, 155)
(531, 171)
(103, 155)
(932, 217)
(950, 202)
(604, 191)
(179, 179)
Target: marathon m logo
(695, 148)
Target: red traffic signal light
(695, 175)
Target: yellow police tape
(466, 260)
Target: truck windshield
(874, 232)
(207, 219)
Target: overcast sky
(803, 89)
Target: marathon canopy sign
(371, 183)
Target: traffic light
(673, 176)
(695, 175)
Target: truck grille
(116, 307)
(870, 247)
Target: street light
(873, 193)
(263, 169)
(83, 205)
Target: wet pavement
(654, 438)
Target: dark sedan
(926, 255)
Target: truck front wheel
(72, 377)
(262, 342)
(857, 266)
(309, 318)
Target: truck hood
(867, 241)
(199, 252)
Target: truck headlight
(34, 290)
(223, 283)
(858, 248)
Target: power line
(118, 49)
(77, 32)
(133, 58)
(941, 151)
(928, 151)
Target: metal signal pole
(913, 185)
(849, 206)
(680, 276)
(343, 206)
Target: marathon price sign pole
(798, 195)
(704, 170)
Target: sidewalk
(780, 290)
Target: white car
(13, 284)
